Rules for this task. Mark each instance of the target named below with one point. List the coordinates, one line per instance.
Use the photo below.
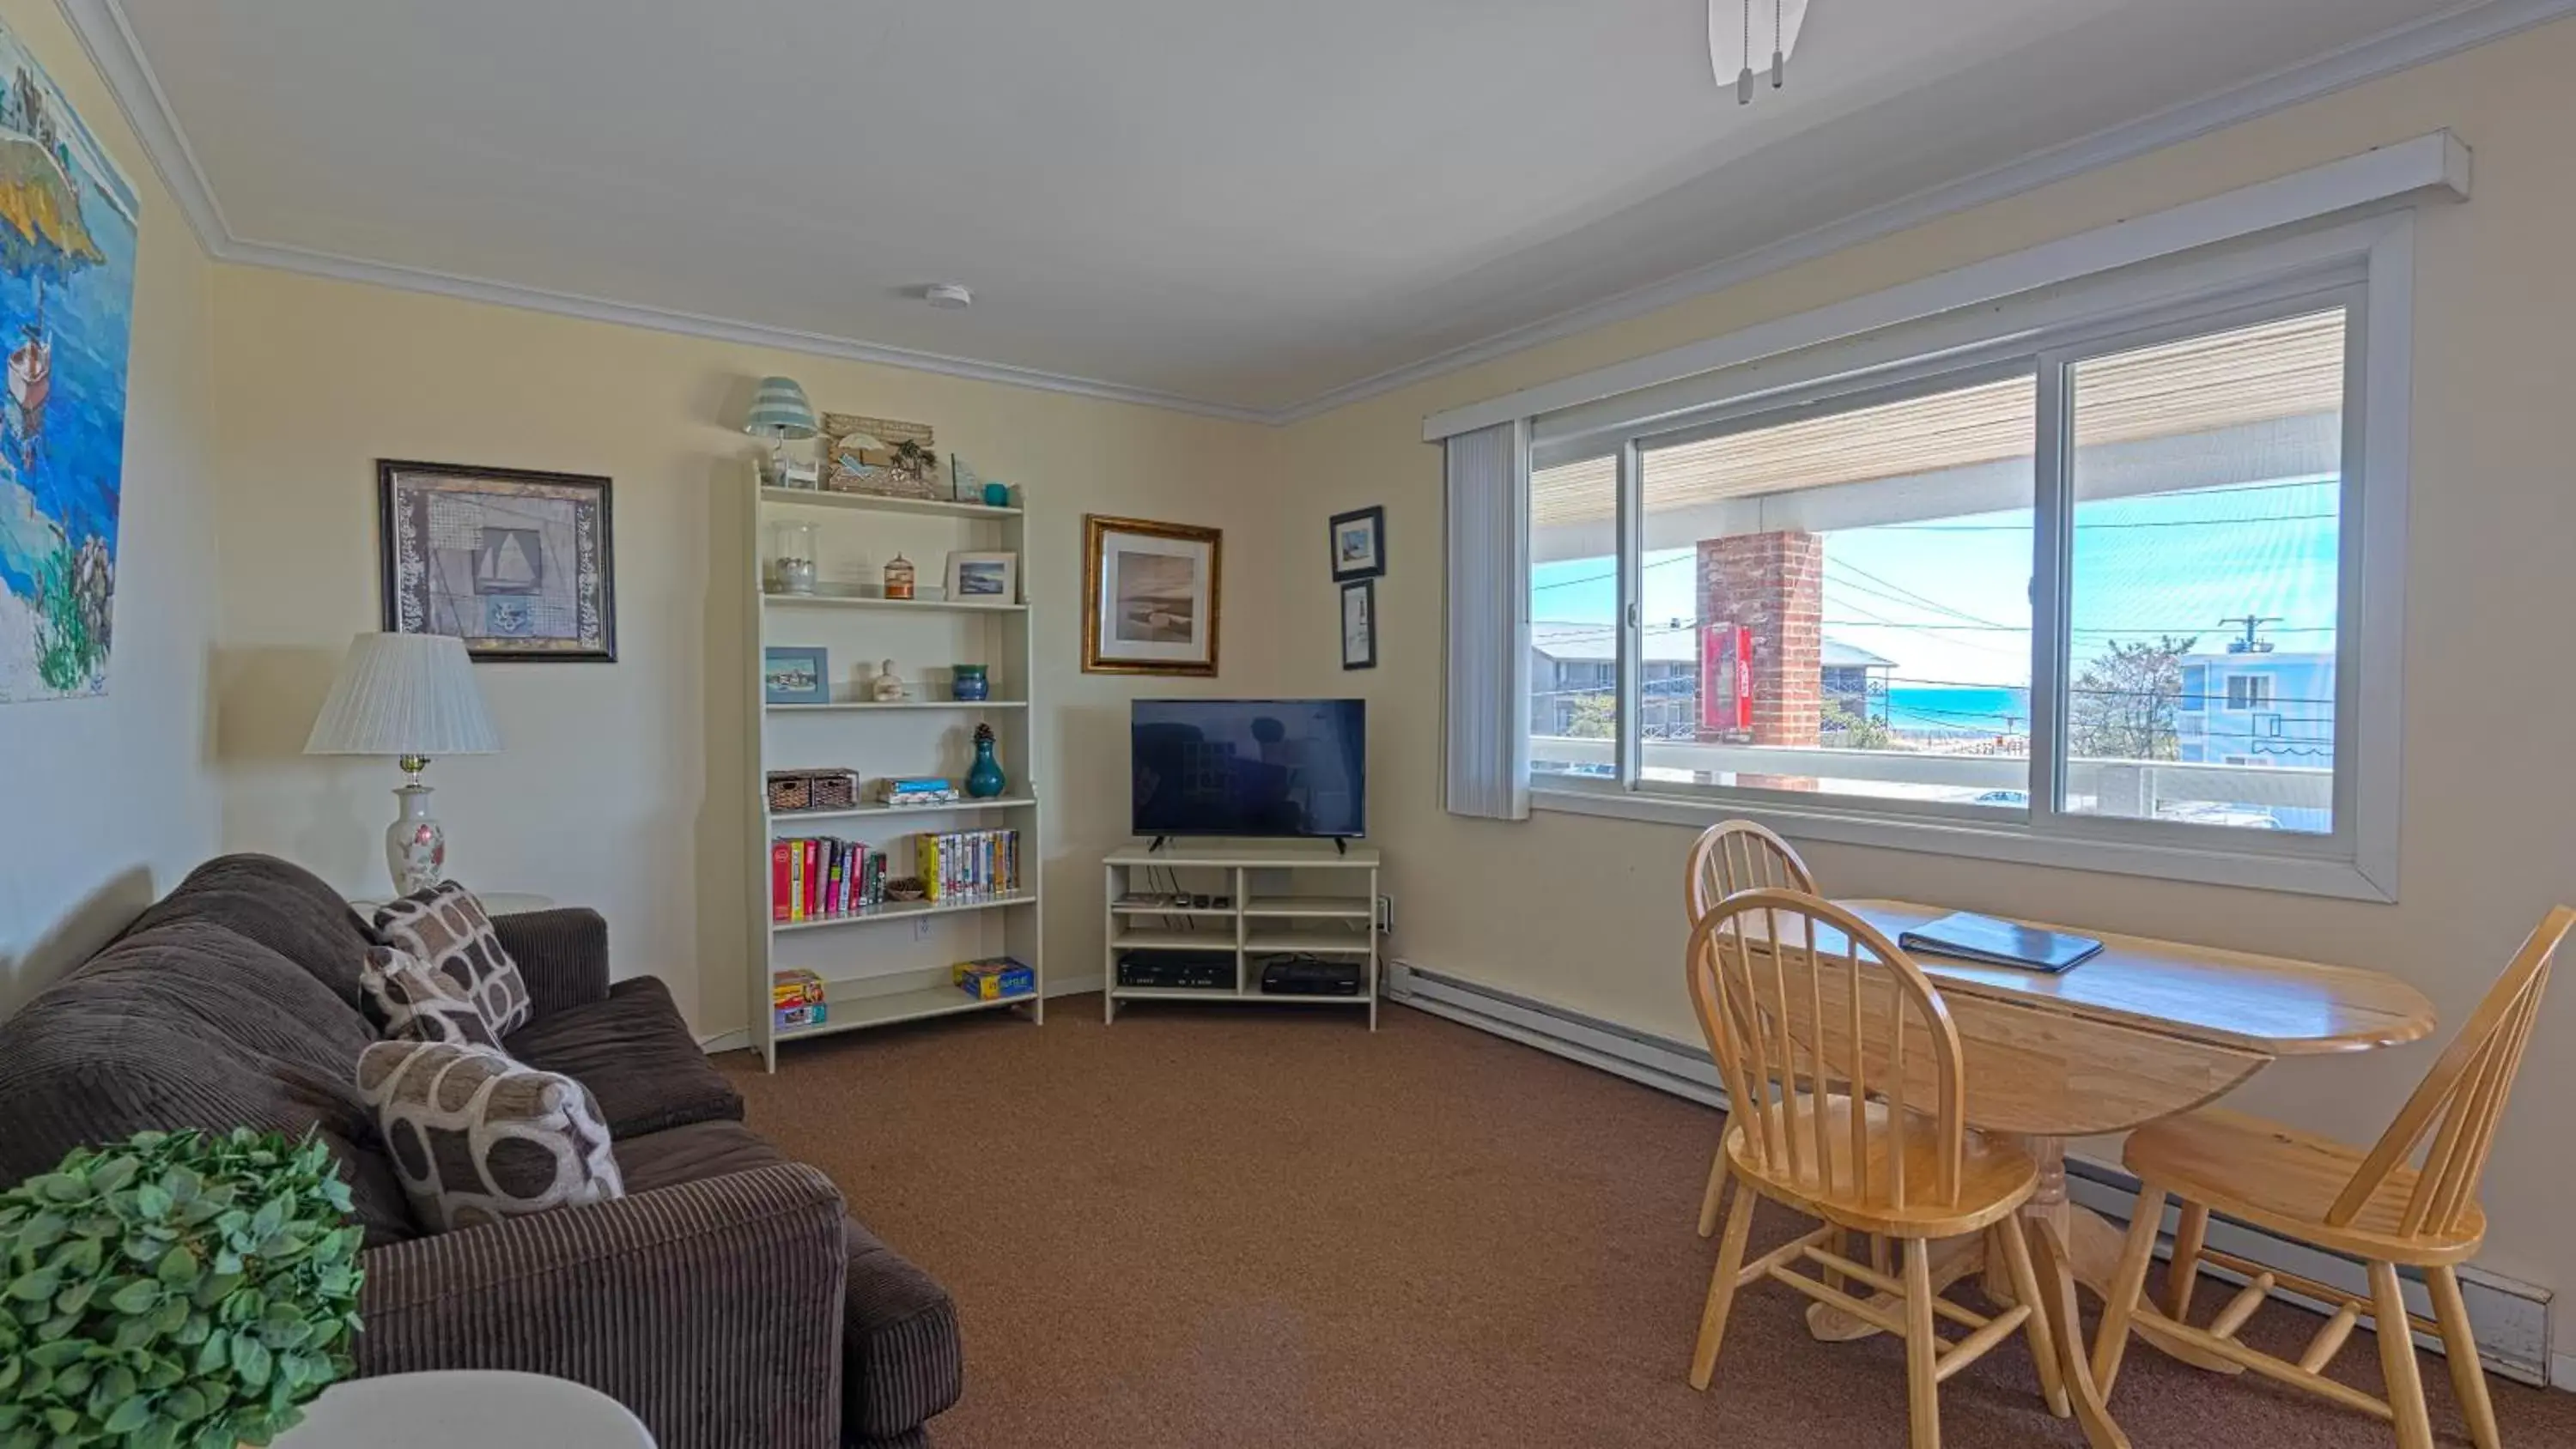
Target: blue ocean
(1958, 709)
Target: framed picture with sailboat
(518, 564)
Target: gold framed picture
(1150, 593)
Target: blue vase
(997, 495)
(984, 778)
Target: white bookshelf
(890, 963)
(1282, 898)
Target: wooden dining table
(2142, 1031)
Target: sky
(1948, 599)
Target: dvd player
(1178, 970)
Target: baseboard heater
(2512, 1318)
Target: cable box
(1307, 976)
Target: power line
(2142, 523)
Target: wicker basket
(790, 790)
(794, 790)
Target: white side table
(487, 1408)
(498, 903)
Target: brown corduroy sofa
(727, 1299)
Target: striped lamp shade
(779, 410)
(404, 694)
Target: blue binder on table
(1998, 943)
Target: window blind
(1487, 746)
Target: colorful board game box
(794, 988)
(995, 979)
(811, 1014)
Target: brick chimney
(1772, 584)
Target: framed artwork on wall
(1359, 544)
(517, 564)
(1150, 593)
(1359, 625)
(67, 257)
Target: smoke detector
(952, 296)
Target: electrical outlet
(1386, 915)
(921, 928)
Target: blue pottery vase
(997, 495)
(984, 778)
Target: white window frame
(2365, 265)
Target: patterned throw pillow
(476, 1137)
(447, 929)
(406, 1000)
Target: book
(778, 850)
(1971, 937)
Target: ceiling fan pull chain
(1744, 82)
(1779, 57)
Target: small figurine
(886, 688)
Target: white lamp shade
(404, 694)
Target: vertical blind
(1487, 750)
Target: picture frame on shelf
(1359, 544)
(1151, 594)
(1359, 625)
(519, 564)
(881, 456)
(795, 674)
(978, 576)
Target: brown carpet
(1238, 1226)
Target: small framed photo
(795, 674)
(1359, 625)
(1359, 544)
(983, 578)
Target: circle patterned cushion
(477, 1137)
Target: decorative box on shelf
(793, 790)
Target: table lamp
(410, 696)
(779, 412)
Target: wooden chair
(1843, 1069)
(2376, 1206)
(1731, 856)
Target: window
(2206, 480)
(2095, 584)
(2249, 691)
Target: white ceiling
(1251, 207)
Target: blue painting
(67, 234)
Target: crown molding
(717, 329)
(112, 48)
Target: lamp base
(415, 845)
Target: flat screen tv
(1250, 767)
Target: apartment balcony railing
(2117, 787)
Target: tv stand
(1281, 898)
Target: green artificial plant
(176, 1289)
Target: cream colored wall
(106, 802)
(620, 785)
(1586, 912)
